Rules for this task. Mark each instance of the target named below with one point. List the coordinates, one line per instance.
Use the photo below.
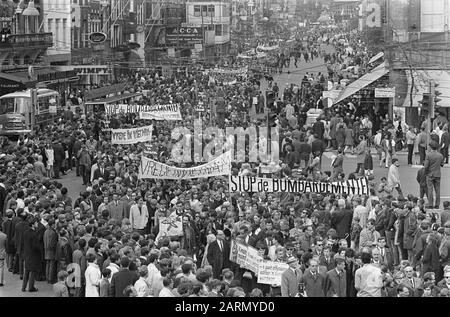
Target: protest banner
(134, 108)
(221, 165)
(270, 272)
(253, 259)
(228, 76)
(274, 185)
(131, 136)
(171, 226)
(169, 112)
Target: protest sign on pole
(171, 226)
(274, 185)
(131, 136)
(253, 259)
(245, 256)
(221, 165)
(270, 272)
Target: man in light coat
(291, 278)
(93, 276)
(139, 215)
(394, 177)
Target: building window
(211, 11)
(219, 30)
(197, 11)
(432, 15)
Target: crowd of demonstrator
(105, 242)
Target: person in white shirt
(141, 284)
(368, 279)
(93, 276)
(167, 289)
(153, 271)
(114, 265)
(139, 215)
(394, 177)
(377, 142)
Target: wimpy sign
(153, 169)
(131, 136)
(124, 108)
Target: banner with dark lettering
(131, 136)
(169, 112)
(152, 169)
(274, 185)
(157, 112)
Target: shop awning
(376, 57)
(46, 75)
(422, 80)
(113, 99)
(362, 82)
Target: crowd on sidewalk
(107, 242)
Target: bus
(21, 111)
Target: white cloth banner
(274, 185)
(152, 169)
(169, 112)
(268, 48)
(124, 108)
(131, 136)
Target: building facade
(214, 18)
(23, 40)
(57, 20)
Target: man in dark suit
(326, 259)
(445, 143)
(116, 208)
(412, 282)
(385, 253)
(336, 280)
(101, 171)
(59, 155)
(341, 221)
(433, 163)
(215, 255)
(291, 278)
(19, 231)
(318, 128)
(32, 255)
(122, 279)
(2, 195)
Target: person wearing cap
(290, 278)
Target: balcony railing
(28, 40)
